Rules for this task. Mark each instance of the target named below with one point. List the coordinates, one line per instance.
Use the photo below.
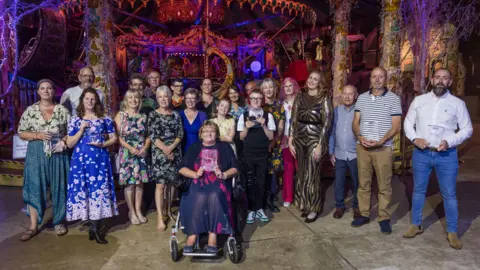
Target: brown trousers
(380, 159)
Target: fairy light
(10, 17)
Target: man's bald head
(349, 94)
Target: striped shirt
(376, 114)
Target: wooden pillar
(339, 67)
(100, 49)
(391, 22)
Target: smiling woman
(134, 141)
(44, 126)
(90, 168)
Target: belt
(309, 122)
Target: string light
(10, 17)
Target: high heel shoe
(100, 239)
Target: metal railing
(13, 103)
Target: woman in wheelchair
(205, 207)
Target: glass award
(371, 131)
(435, 136)
(95, 138)
(209, 159)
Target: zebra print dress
(311, 120)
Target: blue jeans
(445, 164)
(340, 173)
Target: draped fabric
(42, 171)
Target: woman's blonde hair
(266, 82)
(124, 103)
(209, 123)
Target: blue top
(342, 141)
(191, 129)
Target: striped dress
(311, 120)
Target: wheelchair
(232, 247)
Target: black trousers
(255, 167)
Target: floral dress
(91, 190)
(276, 158)
(236, 114)
(133, 129)
(225, 126)
(166, 128)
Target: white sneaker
(286, 204)
(251, 217)
(261, 215)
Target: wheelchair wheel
(233, 251)
(174, 250)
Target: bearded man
(437, 122)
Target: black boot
(270, 204)
(95, 234)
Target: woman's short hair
(165, 89)
(266, 82)
(98, 110)
(209, 123)
(296, 88)
(124, 103)
(45, 81)
(192, 91)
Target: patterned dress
(311, 120)
(225, 126)
(133, 169)
(44, 169)
(165, 128)
(276, 157)
(91, 190)
(236, 114)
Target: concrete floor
(285, 243)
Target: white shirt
(448, 112)
(256, 113)
(288, 116)
(72, 96)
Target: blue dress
(191, 130)
(91, 190)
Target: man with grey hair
(343, 152)
(71, 97)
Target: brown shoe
(413, 231)
(454, 241)
(338, 214)
(356, 213)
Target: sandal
(28, 234)
(60, 229)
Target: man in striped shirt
(377, 120)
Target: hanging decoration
(341, 9)
(391, 40)
(176, 11)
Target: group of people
(276, 134)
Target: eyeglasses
(256, 99)
(176, 85)
(87, 76)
